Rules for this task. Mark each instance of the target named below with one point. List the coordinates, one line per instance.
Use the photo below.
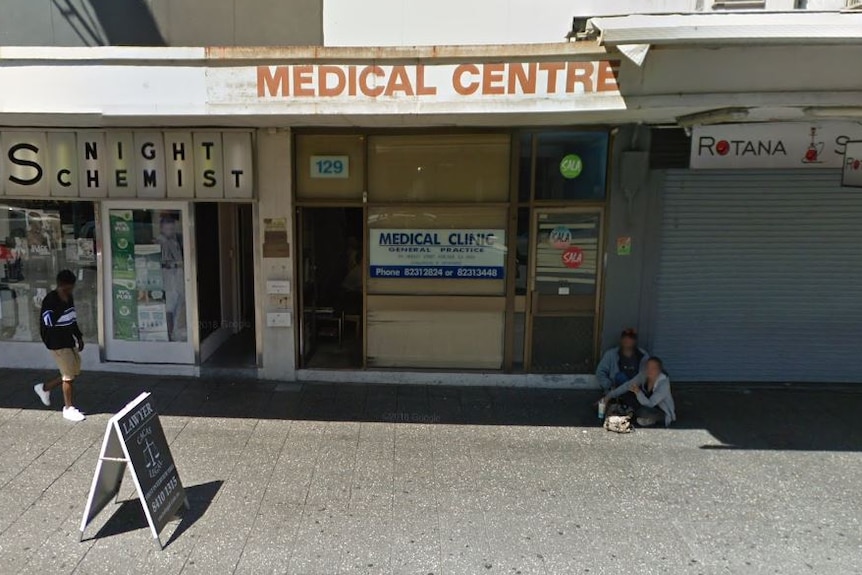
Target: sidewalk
(327, 479)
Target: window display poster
(71, 248)
(43, 232)
(86, 250)
(152, 322)
(438, 253)
(123, 276)
(170, 239)
(152, 316)
(122, 241)
(148, 269)
(125, 300)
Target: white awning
(748, 28)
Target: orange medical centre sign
(466, 80)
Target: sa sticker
(573, 257)
(571, 166)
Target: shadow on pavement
(788, 417)
(129, 516)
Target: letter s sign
(19, 156)
(841, 143)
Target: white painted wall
(458, 22)
(103, 89)
(825, 4)
(769, 70)
(672, 82)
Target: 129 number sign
(330, 166)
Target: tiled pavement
(329, 479)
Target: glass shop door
(147, 258)
(565, 286)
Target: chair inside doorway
(333, 275)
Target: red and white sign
(852, 176)
(772, 145)
(573, 257)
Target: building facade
(481, 203)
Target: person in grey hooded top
(650, 389)
(621, 364)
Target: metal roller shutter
(760, 277)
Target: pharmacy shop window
(38, 239)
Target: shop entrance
(332, 280)
(566, 281)
(471, 262)
(225, 282)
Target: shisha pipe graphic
(812, 154)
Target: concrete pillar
(628, 217)
(275, 202)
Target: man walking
(61, 334)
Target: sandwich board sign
(134, 437)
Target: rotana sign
(709, 145)
(789, 145)
(126, 164)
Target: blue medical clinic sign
(438, 253)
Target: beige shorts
(68, 361)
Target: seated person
(649, 393)
(621, 364)
(351, 285)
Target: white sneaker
(45, 396)
(72, 414)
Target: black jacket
(59, 322)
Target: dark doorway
(226, 303)
(208, 268)
(333, 276)
(246, 263)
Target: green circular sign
(571, 166)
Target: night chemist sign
(122, 164)
(442, 254)
(772, 145)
